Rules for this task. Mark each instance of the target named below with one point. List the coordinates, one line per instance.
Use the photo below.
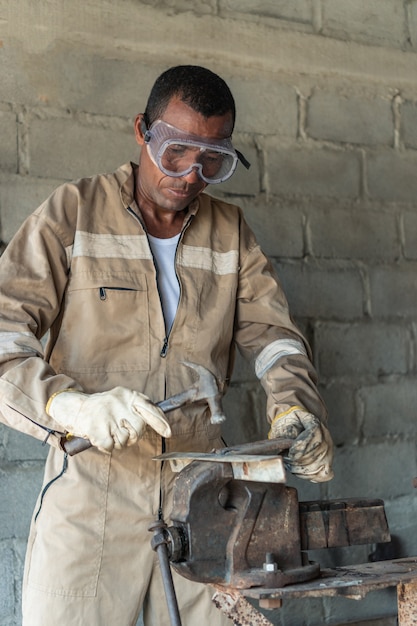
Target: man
(132, 274)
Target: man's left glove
(311, 455)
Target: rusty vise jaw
(235, 532)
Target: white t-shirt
(163, 251)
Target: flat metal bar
(250, 467)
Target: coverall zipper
(165, 346)
(163, 355)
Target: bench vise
(234, 521)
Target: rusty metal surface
(407, 603)
(223, 527)
(353, 581)
(340, 523)
(238, 609)
(228, 526)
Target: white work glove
(311, 454)
(111, 419)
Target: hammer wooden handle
(74, 445)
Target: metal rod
(159, 544)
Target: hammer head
(206, 388)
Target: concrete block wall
(326, 92)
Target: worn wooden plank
(238, 609)
(407, 603)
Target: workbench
(353, 581)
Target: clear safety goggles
(178, 153)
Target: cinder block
(278, 226)
(393, 290)
(409, 124)
(379, 621)
(307, 490)
(243, 371)
(92, 82)
(383, 470)
(349, 119)
(19, 488)
(245, 409)
(389, 408)
(362, 348)
(16, 82)
(321, 290)
(354, 233)
(7, 576)
(305, 611)
(410, 234)
(66, 148)
(412, 23)
(299, 169)
(401, 515)
(20, 546)
(265, 107)
(8, 143)
(372, 610)
(20, 196)
(21, 447)
(299, 11)
(392, 175)
(380, 22)
(343, 416)
(105, 84)
(199, 7)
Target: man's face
(159, 191)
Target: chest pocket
(105, 326)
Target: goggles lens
(177, 153)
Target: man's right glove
(311, 454)
(111, 419)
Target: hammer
(204, 388)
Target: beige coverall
(81, 267)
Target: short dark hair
(200, 88)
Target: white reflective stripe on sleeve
(111, 246)
(12, 343)
(277, 349)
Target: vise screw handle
(159, 544)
